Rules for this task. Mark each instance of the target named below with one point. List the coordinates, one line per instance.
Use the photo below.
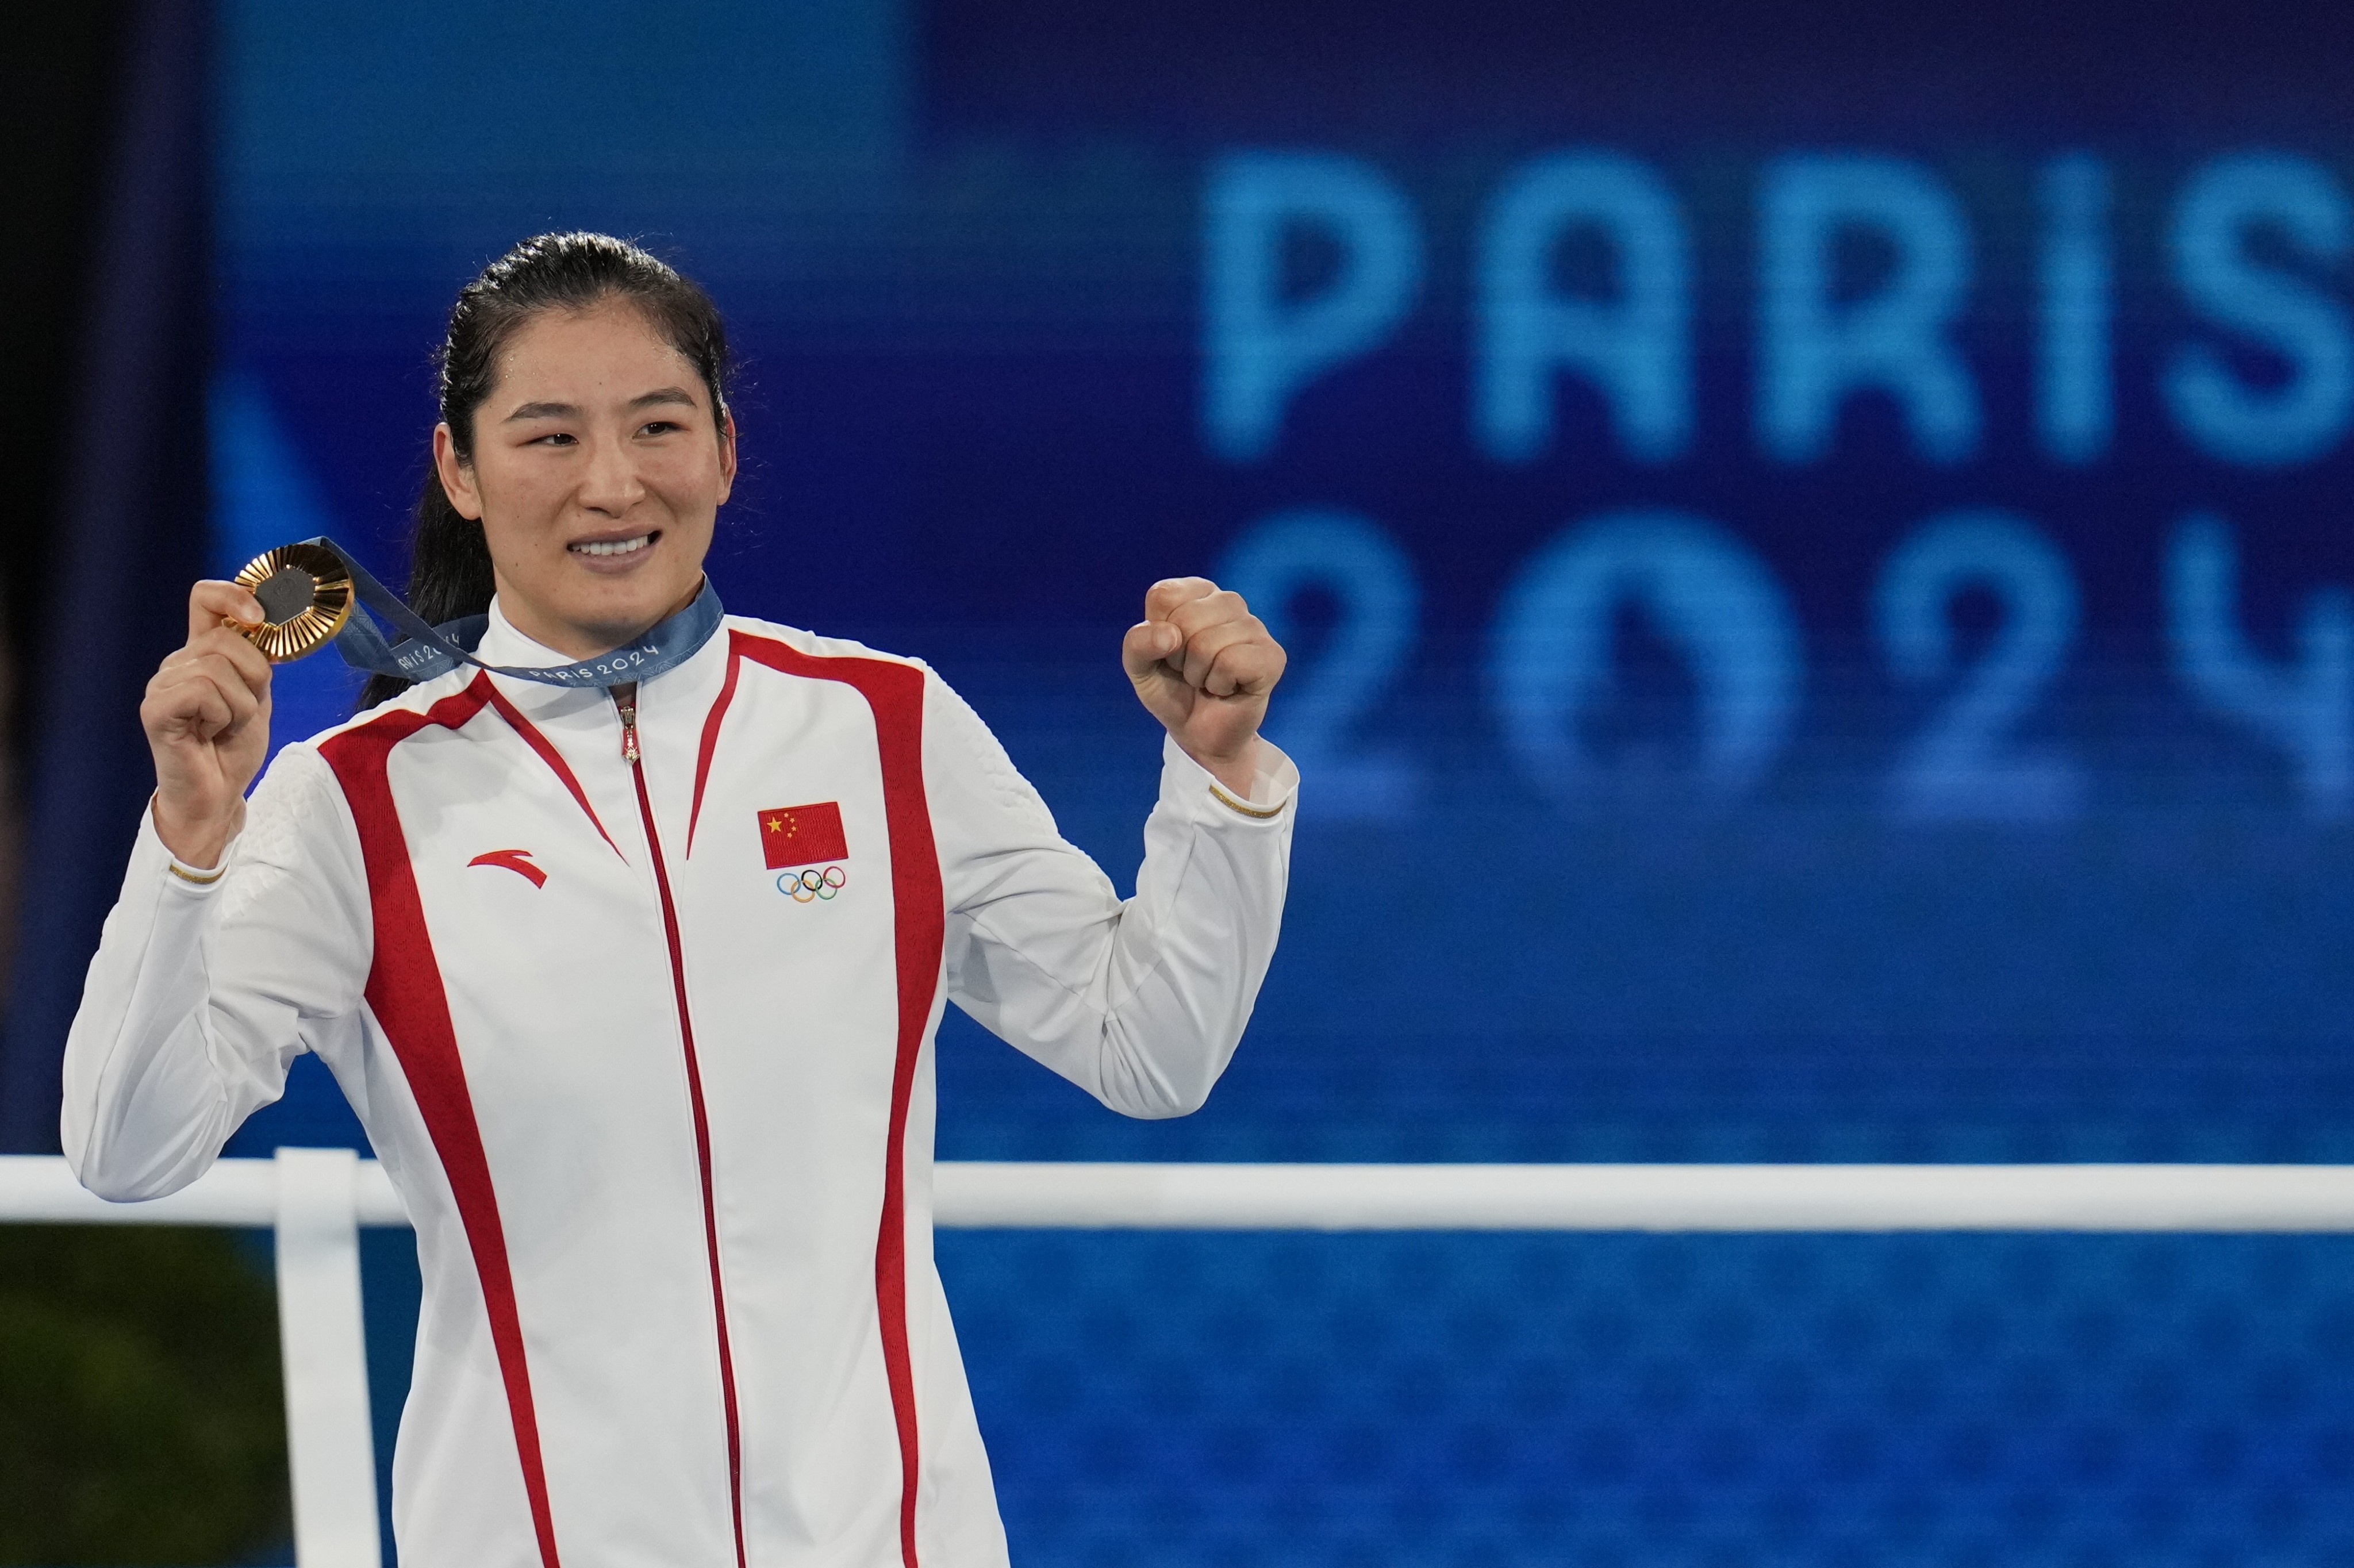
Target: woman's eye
(555, 438)
(659, 428)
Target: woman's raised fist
(206, 714)
(1203, 664)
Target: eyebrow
(659, 396)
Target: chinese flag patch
(802, 835)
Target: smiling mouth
(611, 547)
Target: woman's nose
(611, 483)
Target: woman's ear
(726, 452)
(457, 478)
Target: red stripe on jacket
(895, 695)
(405, 992)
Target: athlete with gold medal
(651, 1073)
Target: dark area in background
(1376, 72)
(129, 529)
(140, 1410)
(140, 1413)
(57, 88)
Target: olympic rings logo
(809, 885)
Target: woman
(634, 989)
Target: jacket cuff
(150, 859)
(1191, 787)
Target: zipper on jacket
(625, 703)
(627, 708)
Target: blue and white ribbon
(425, 651)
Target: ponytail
(449, 574)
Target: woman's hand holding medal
(206, 714)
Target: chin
(622, 615)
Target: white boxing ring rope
(316, 1200)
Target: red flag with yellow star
(802, 835)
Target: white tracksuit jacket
(660, 1105)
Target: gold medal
(306, 596)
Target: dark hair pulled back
(450, 572)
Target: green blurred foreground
(140, 1413)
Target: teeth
(614, 546)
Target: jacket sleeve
(205, 988)
(1139, 1003)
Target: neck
(577, 641)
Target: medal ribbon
(425, 651)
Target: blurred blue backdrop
(1813, 544)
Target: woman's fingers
(252, 664)
(205, 696)
(1198, 642)
(1165, 598)
(193, 709)
(212, 602)
(206, 714)
(234, 683)
(189, 708)
(218, 682)
(1249, 666)
(1202, 648)
(1146, 646)
(1213, 605)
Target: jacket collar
(502, 643)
